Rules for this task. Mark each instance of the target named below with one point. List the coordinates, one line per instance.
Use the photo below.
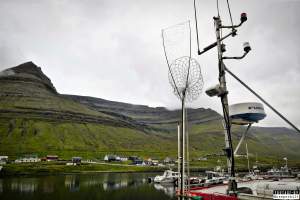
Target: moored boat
(168, 176)
(283, 172)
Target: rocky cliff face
(149, 116)
(26, 92)
(27, 73)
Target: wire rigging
(196, 22)
(263, 100)
(229, 13)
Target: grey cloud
(113, 49)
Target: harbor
(213, 186)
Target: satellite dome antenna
(185, 78)
(246, 113)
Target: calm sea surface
(111, 186)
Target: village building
(28, 159)
(168, 160)
(155, 162)
(148, 161)
(3, 160)
(138, 162)
(76, 160)
(123, 159)
(110, 158)
(52, 158)
(202, 158)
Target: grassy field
(74, 139)
(60, 167)
(94, 141)
(39, 121)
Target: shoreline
(24, 169)
(56, 168)
(60, 168)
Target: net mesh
(184, 71)
(187, 76)
(177, 41)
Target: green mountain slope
(35, 118)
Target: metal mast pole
(182, 167)
(241, 140)
(187, 151)
(248, 158)
(232, 186)
(286, 163)
(178, 155)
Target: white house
(3, 160)
(123, 159)
(28, 159)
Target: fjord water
(110, 186)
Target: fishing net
(184, 72)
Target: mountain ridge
(35, 118)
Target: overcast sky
(113, 49)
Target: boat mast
(178, 155)
(221, 89)
(187, 152)
(232, 186)
(182, 145)
(248, 158)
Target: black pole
(232, 185)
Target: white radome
(248, 112)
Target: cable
(196, 22)
(264, 101)
(229, 13)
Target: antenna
(220, 89)
(185, 77)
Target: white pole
(182, 135)
(178, 155)
(183, 148)
(187, 153)
(242, 139)
(286, 162)
(248, 157)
